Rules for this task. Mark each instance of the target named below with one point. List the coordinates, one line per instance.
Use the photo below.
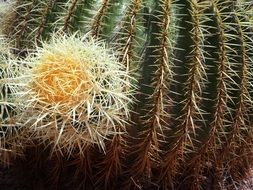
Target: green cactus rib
(25, 14)
(191, 60)
(41, 27)
(70, 12)
(223, 107)
(81, 16)
(126, 41)
(217, 128)
(217, 124)
(96, 25)
(241, 122)
(32, 21)
(147, 150)
(112, 15)
(241, 119)
(190, 118)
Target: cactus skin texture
(191, 124)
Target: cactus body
(191, 120)
(82, 98)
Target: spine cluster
(157, 94)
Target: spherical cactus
(191, 121)
(73, 92)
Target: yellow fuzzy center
(59, 79)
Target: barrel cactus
(140, 94)
(73, 93)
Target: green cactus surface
(129, 94)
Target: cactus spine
(191, 60)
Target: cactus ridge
(179, 116)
